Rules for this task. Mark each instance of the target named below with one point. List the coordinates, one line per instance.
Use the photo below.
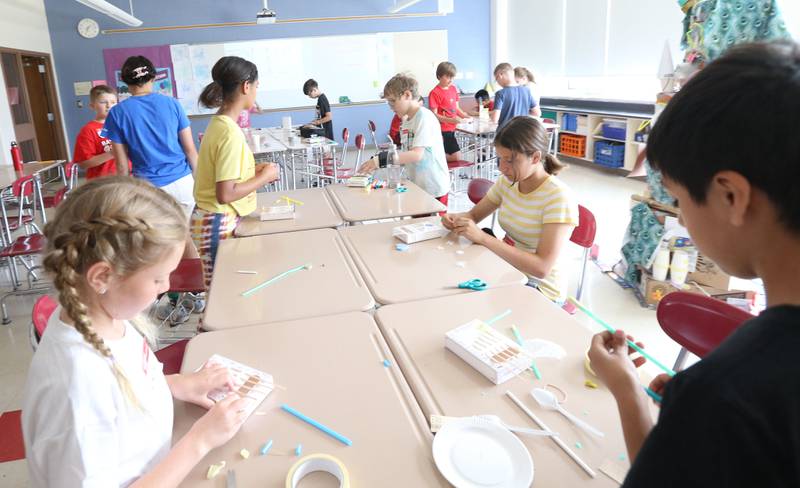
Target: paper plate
(474, 453)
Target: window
(602, 49)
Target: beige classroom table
(427, 269)
(331, 286)
(349, 390)
(358, 205)
(446, 385)
(316, 212)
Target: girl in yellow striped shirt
(535, 209)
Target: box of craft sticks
(421, 231)
(277, 212)
(494, 355)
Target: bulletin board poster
(160, 56)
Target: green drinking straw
(636, 348)
(274, 279)
(518, 338)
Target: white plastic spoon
(548, 401)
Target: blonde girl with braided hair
(97, 408)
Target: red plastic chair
(583, 235)
(70, 178)
(330, 167)
(42, 310)
(697, 322)
(372, 129)
(455, 167)
(187, 277)
(170, 356)
(477, 189)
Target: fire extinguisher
(16, 156)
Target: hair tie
(140, 72)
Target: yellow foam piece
(214, 470)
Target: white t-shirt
(430, 173)
(78, 427)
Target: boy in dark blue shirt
(512, 100)
(728, 150)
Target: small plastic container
(614, 129)
(569, 122)
(610, 154)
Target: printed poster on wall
(160, 56)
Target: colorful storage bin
(572, 145)
(610, 154)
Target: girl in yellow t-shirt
(535, 209)
(227, 176)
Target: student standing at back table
(421, 140)
(154, 131)
(324, 114)
(512, 100)
(524, 77)
(227, 175)
(93, 152)
(443, 102)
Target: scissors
(475, 284)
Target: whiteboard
(355, 66)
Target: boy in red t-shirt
(92, 151)
(443, 102)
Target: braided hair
(120, 220)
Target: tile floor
(605, 193)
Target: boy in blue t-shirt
(512, 100)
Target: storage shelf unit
(590, 124)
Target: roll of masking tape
(317, 462)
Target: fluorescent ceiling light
(115, 13)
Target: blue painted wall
(79, 59)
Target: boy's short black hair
(740, 113)
(481, 95)
(137, 70)
(309, 85)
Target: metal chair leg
(583, 273)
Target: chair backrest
(361, 142)
(372, 128)
(70, 174)
(22, 187)
(60, 195)
(697, 322)
(345, 141)
(548, 121)
(478, 188)
(345, 136)
(42, 310)
(583, 235)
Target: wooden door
(31, 90)
(42, 114)
(24, 130)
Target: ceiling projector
(266, 15)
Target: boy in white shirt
(421, 140)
